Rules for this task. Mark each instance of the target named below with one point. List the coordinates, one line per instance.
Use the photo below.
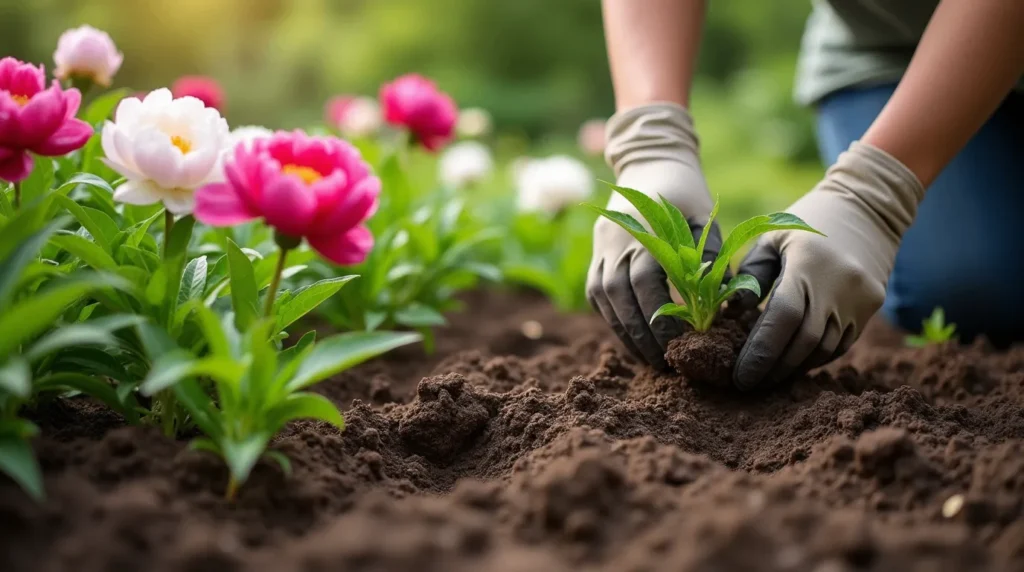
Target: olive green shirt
(858, 43)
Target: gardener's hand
(827, 287)
(652, 149)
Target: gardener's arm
(652, 147)
(971, 55)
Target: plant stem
(168, 226)
(17, 196)
(167, 404)
(232, 490)
(275, 283)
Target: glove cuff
(654, 131)
(881, 181)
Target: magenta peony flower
(35, 119)
(87, 53)
(414, 102)
(318, 188)
(203, 88)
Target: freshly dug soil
(507, 453)
(709, 357)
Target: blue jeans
(965, 250)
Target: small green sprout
(671, 244)
(934, 331)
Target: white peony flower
(362, 118)
(247, 134)
(465, 164)
(551, 184)
(473, 122)
(166, 148)
(87, 53)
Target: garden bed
(503, 453)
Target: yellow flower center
(183, 145)
(308, 175)
(21, 100)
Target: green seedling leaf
(101, 227)
(23, 253)
(193, 280)
(749, 230)
(86, 250)
(417, 315)
(307, 299)
(70, 336)
(304, 406)
(244, 293)
(31, 316)
(19, 463)
(707, 230)
(241, 456)
(663, 223)
(740, 282)
(16, 377)
(658, 248)
(673, 309)
(338, 353)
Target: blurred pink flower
(336, 107)
(87, 53)
(314, 187)
(354, 117)
(34, 118)
(591, 137)
(414, 102)
(203, 88)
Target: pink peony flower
(87, 53)
(34, 118)
(314, 187)
(203, 88)
(414, 102)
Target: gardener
(911, 95)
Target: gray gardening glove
(827, 287)
(654, 150)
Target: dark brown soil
(708, 358)
(504, 453)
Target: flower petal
(73, 134)
(16, 167)
(357, 205)
(41, 116)
(197, 166)
(72, 101)
(179, 201)
(345, 249)
(137, 193)
(218, 204)
(157, 158)
(288, 205)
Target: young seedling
(934, 331)
(671, 244)
(257, 388)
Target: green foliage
(428, 248)
(257, 388)
(699, 283)
(551, 255)
(934, 331)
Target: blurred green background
(539, 66)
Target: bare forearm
(652, 49)
(968, 61)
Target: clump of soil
(708, 357)
(561, 453)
